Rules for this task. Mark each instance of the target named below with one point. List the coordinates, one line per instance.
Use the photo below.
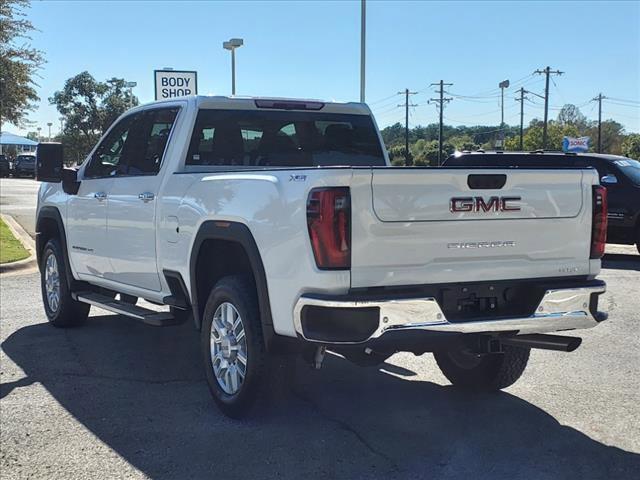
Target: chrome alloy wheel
(52, 282)
(228, 348)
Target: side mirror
(49, 162)
(609, 180)
(70, 183)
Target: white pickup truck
(278, 226)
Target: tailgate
(417, 226)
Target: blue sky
(311, 49)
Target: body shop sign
(580, 144)
(175, 83)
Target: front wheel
(233, 350)
(61, 309)
(488, 372)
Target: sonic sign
(576, 145)
(175, 83)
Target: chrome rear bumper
(559, 309)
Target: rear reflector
(329, 224)
(599, 222)
(289, 105)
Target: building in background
(12, 145)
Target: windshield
(630, 168)
(286, 139)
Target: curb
(29, 263)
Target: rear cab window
(263, 139)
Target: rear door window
(248, 138)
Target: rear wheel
(61, 309)
(488, 372)
(235, 359)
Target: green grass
(11, 250)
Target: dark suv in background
(24, 166)
(5, 166)
(620, 175)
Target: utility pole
(521, 100)
(363, 50)
(599, 99)
(406, 106)
(547, 72)
(440, 102)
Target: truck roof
(272, 103)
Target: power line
(623, 104)
(395, 107)
(382, 99)
(623, 100)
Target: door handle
(100, 196)
(146, 196)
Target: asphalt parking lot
(118, 399)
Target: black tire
(638, 238)
(240, 292)
(67, 312)
(489, 372)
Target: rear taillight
(329, 224)
(599, 221)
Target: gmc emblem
(478, 204)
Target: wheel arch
(49, 225)
(215, 243)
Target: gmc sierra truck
(278, 226)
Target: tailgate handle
(486, 181)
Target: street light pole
(49, 125)
(363, 50)
(502, 86)
(130, 86)
(232, 45)
(233, 71)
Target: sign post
(175, 83)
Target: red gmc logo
(478, 204)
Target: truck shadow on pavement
(619, 261)
(141, 391)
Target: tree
(612, 135)
(631, 146)
(19, 63)
(571, 115)
(89, 107)
(463, 142)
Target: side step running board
(544, 342)
(150, 317)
